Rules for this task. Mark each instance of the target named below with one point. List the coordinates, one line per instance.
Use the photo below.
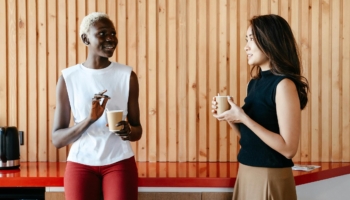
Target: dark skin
(101, 41)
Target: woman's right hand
(97, 108)
(214, 106)
(234, 115)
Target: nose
(110, 37)
(246, 47)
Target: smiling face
(254, 54)
(101, 38)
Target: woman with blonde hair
(100, 162)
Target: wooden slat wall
(184, 52)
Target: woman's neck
(96, 62)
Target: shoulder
(286, 91)
(70, 69)
(133, 76)
(286, 84)
(121, 66)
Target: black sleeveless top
(260, 106)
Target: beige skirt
(260, 183)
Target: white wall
(337, 188)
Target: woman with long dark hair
(269, 122)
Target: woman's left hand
(235, 114)
(97, 109)
(125, 132)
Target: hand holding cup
(113, 118)
(220, 104)
(117, 125)
(124, 132)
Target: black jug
(9, 148)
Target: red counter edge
(172, 181)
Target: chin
(108, 55)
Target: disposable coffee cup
(113, 118)
(222, 104)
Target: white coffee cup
(222, 104)
(113, 118)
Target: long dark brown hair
(275, 38)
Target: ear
(85, 39)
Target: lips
(109, 47)
(249, 55)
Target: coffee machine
(9, 147)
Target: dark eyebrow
(249, 35)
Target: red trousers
(116, 181)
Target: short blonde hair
(88, 20)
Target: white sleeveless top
(98, 146)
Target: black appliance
(9, 147)
(20, 193)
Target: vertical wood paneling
(31, 136)
(184, 53)
(264, 7)
(81, 48)
(336, 81)
(62, 60)
(22, 72)
(182, 92)
(172, 119)
(142, 75)
(304, 49)
(101, 6)
(162, 124)
(244, 69)
(295, 24)
(203, 97)
(222, 78)
(131, 41)
(192, 80)
(345, 105)
(315, 94)
(62, 27)
(52, 60)
(91, 6)
(12, 61)
(3, 63)
(253, 8)
(274, 4)
(326, 99)
(213, 89)
(121, 29)
(42, 84)
(284, 9)
(233, 78)
(72, 34)
(152, 75)
(112, 12)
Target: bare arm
(62, 134)
(235, 128)
(289, 120)
(133, 109)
